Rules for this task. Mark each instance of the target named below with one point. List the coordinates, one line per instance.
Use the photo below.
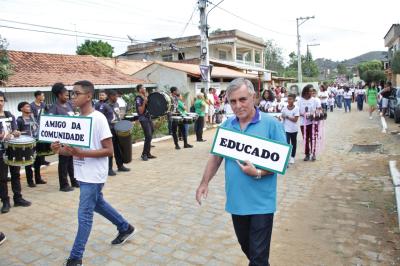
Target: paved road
(158, 198)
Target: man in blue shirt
(250, 192)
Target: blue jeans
(91, 200)
(339, 101)
(347, 105)
(360, 102)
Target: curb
(384, 124)
(394, 172)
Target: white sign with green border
(264, 153)
(71, 130)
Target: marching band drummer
(145, 121)
(8, 130)
(112, 101)
(38, 107)
(65, 163)
(27, 125)
(180, 108)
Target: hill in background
(329, 64)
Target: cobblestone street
(339, 210)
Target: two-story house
(232, 47)
(392, 42)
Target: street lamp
(308, 45)
(299, 22)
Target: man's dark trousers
(254, 235)
(148, 133)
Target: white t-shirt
(308, 106)
(94, 170)
(290, 126)
(340, 92)
(323, 95)
(267, 106)
(331, 101)
(360, 91)
(348, 94)
(210, 97)
(121, 102)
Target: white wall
(14, 98)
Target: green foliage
(342, 69)
(273, 57)
(5, 67)
(160, 129)
(308, 67)
(373, 75)
(371, 71)
(396, 63)
(95, 48)
(370, 65)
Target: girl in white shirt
(308, 107)
(360, 98)
(323, 96)
(290, 116)
(347, 95)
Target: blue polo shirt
(246, 195)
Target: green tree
(308, 66)
(396, 63)
(5, 66)
(273, 57)
(342, 69)
(373, 75)
(369, 65)
(95, 48)
(371, 71)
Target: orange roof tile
(42, 69)
(126, 66)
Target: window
(222, 54)
(248, 57)
(239, 56)
(181, 56)
(257, 57)
(167, 57)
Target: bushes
(160, 129)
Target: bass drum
(123, 130)
(159, 104)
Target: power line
(64, 34)
(251, 22)
(61, 29)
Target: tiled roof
(42, 69)
(217, 72)
(126, 66)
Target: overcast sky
(344, 29)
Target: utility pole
(204, 53)
(299, 22)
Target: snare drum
(177, 119)
(187, 120)
(20, 151)
(43, 149)
(159, 104)
(194, 116)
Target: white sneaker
(291, 160)
(370, 117)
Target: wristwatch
(258, 174)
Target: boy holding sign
(250, 192)
(91, 171)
